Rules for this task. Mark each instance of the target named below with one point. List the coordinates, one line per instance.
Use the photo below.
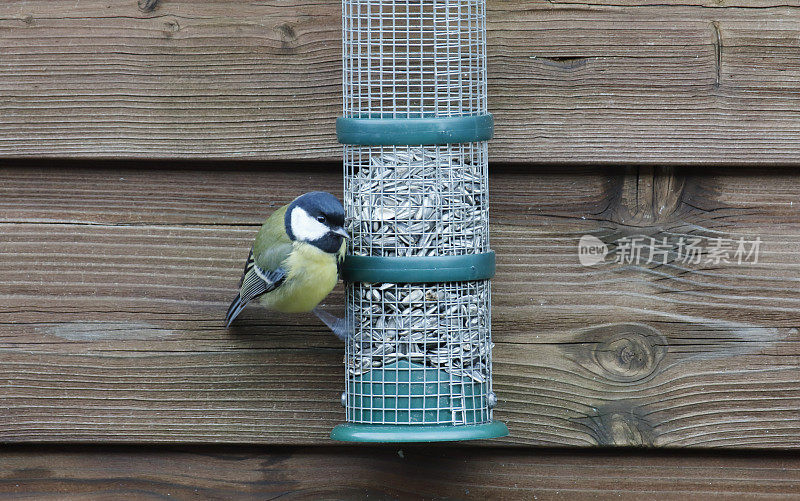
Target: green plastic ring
(357, 432)
(380, 131)
(409, 270)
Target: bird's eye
(321, 219)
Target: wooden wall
(142, 144)
(596, 81)
(116, 281)
(409, 472)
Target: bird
(295, 260)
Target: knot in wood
(287, 34)
(624, 431)
(147, 5)
(647, 196)
(630, 356)
(171, 27)
(620, 353)
(620, 424)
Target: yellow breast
(311, 275)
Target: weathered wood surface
(697, 82)
(114, 283)
(391, 473)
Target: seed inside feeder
(419, 201)
(395, 321)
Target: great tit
(295, 259)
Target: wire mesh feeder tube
(415, 129)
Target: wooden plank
(701, 82)
(114, 283)
(392, 473)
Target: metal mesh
(420, 353)
(412, 57)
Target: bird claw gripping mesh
(415, 126)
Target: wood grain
(114, 283)
(697, 82)
(391, 473)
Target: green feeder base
(387, 433)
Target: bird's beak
(341, 231)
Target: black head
(316, 218)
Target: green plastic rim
(380, 131)
(412, 270)
(388, 433)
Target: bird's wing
(271, 247)
(248, 265)
(263, 271)
(272, 244)
(256, 282)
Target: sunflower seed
(419, 201)
(436, 325)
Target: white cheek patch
(305, 227)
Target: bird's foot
(338, 326)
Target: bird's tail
(234, 309)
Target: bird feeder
(415, 129)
